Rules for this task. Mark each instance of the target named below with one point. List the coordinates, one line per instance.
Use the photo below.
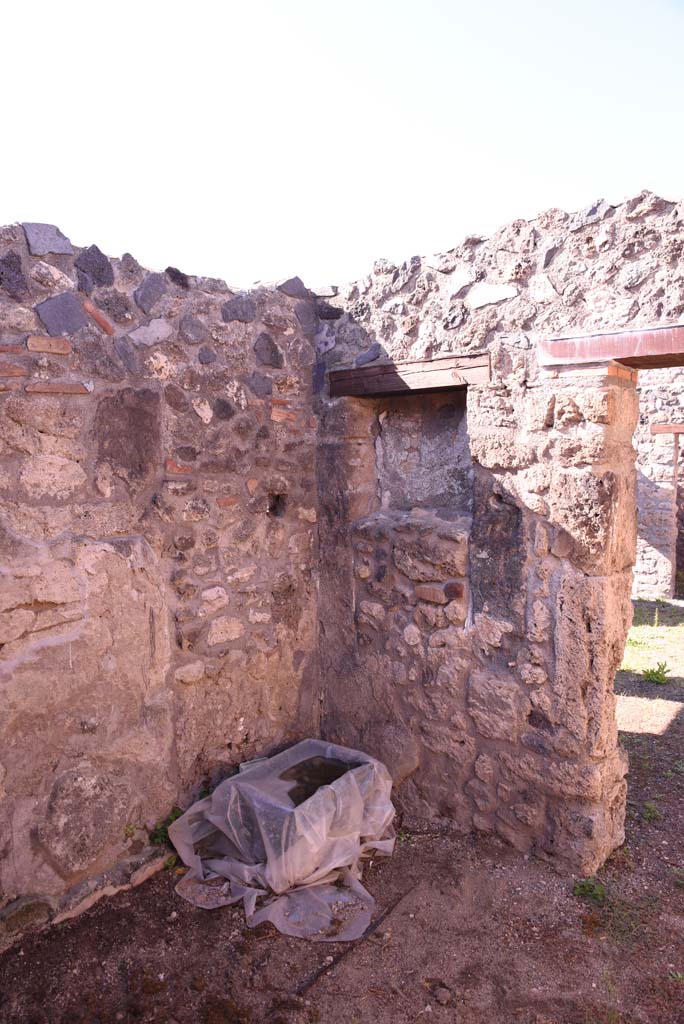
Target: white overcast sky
(276, 137)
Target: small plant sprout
(590, 889)
(657, 675)
(651, 812)
(160, 833)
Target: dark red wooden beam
(650, 348)
(441, 374)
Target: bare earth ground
(465, 929)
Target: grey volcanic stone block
(46, 238)
(177, 277)
(267, 352)
(259, 384)
(192, 330)
(223, 409)
(150, 292)
(94, 263)
(241, 308)
(62, 314)
(12, 276)
(206, 355)
(295, 288)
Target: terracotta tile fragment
(56, 387)
(176, 467)
(227, 501)
(12, 350)
(55, 346)
(283, 415)
(13, 370)
(9, 385)
(99, 318)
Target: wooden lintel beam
(410, 375)
(667, 428)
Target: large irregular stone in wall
(596, 514)
(434, 555)
(95, 264)
(46, 238)
(127, 433)
(62, 314)
(592, 617)
(150, 292)
(267, 352)
(498, 551)
(85, 808)
(12, 277)
(497, 706)
(241, 308)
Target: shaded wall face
(158, 552)
(660, 543)
(422, 454)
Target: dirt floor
(466, 931)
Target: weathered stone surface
(51, 476)
(486, 294)
(84, 808)
(295, 288)
(206, 355)
(177, 277)
(150, 292)
(241, 308)
(12, 277)
(154, 333)
(267, 352)
(127, 431)
(62, 314)
(497, 706)
(260, 384)
(95, 264)
(192, 330)
(46, 238)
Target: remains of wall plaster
(158, 542)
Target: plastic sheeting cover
(287, 836)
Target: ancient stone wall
(476, 654)
(158, 553)
(200, 548)
(660, 486)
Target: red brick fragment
(56, 387)
(440, 593)
(99, 318)
(227, 501)
(252, 485)
(55, 346)
(13, 370)
(12, 350)
(283, 415)
(176, 467)
(9, 385)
